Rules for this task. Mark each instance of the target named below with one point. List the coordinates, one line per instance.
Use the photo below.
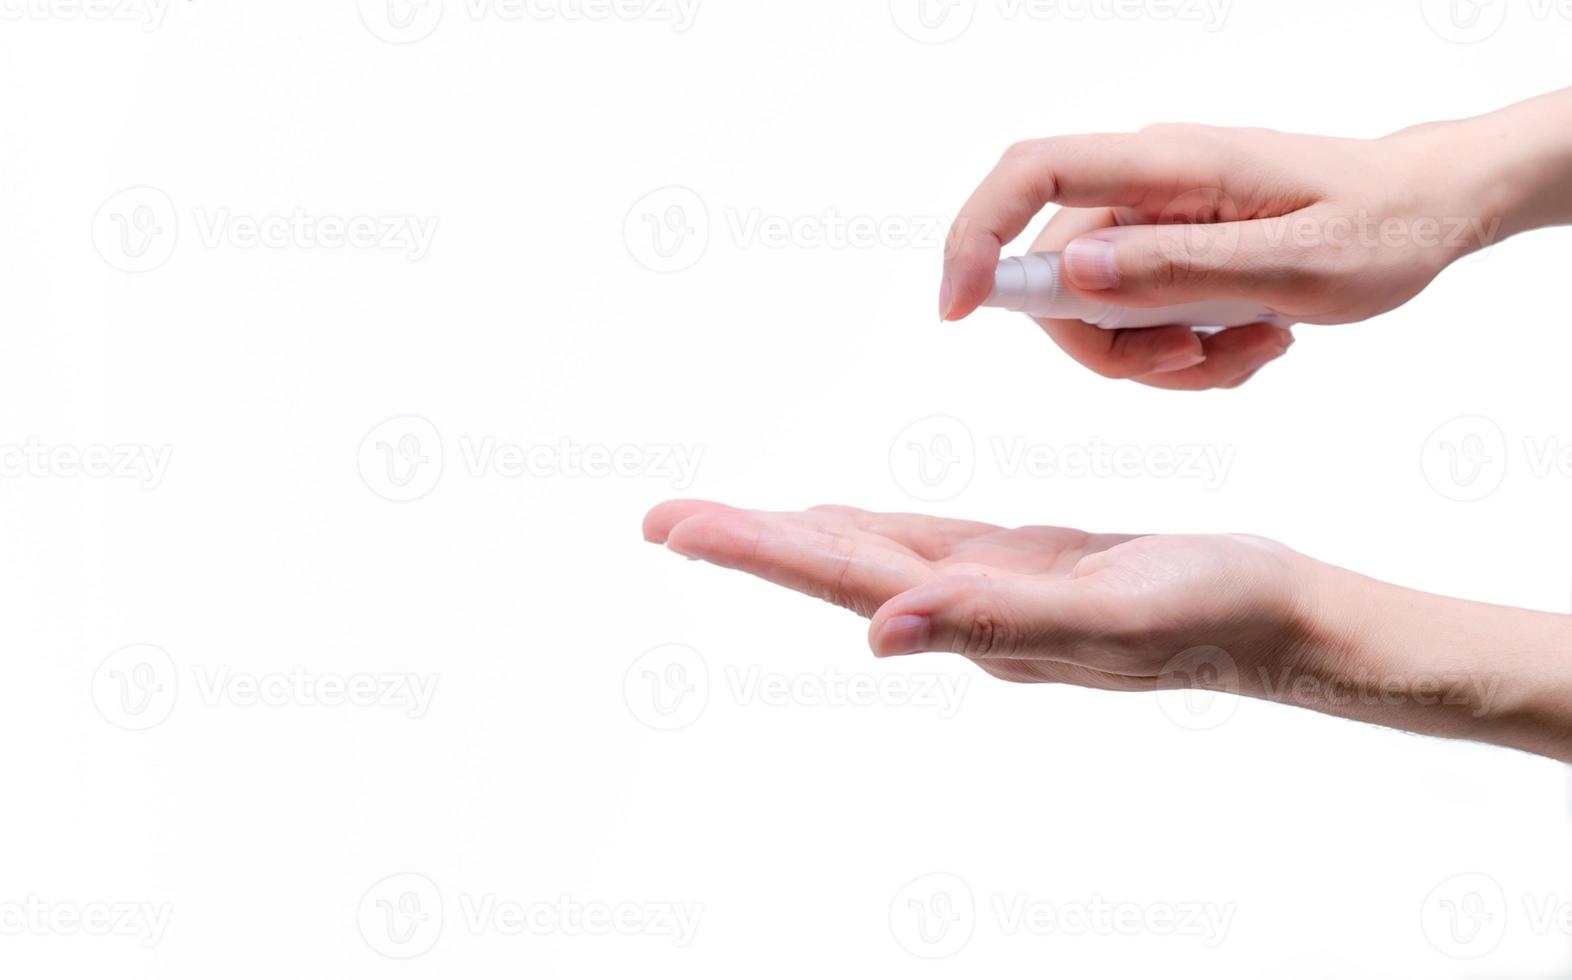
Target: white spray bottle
(1032, 284)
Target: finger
(850, 570)
(1112, 353)
(1144, 352)
(667, 515)
(1068, 224)
(1131, 170)
(1008, 617)
(930, 538)
(1163, 265)
(1054, 672)
(1233, 356)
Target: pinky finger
(1233, 356)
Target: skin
(1125, 612)
(1321, 229)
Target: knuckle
(1170, 263)
(1116, 367)
(1308, 272)
(986, 633)
(952, 239)
(838, 509)
(1020, 152)
(1126, 358)
(1167, 129)
(1180, 135)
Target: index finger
(1112, 353)
(849, 569)
(1114, 170)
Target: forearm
(1520, 162)
(1439, 666)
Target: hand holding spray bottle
(1032, 284)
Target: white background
(279, 381)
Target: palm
(862, 560)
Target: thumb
(988, 615)
(1160, 265)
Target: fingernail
(1179, 362)
(944, 299)
(1092, 263)
(903, 635)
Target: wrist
(1443, 666)
(1370, 651)
(1519, 170)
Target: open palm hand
(1031, 604)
